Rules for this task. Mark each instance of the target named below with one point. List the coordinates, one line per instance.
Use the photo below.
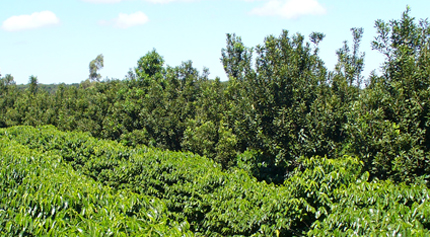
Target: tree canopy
(280, 103)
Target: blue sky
(55, 40)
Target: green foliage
(375, 209)
(150, 65)
(7, 99)
(43, 195)
(272, 101)
(95, 66)
(200, 138)
(118, 189)
(33, 85)
(350, 63)
(389, 122)
(226, 147)
(236, 58)
(50, 88)
(281, 105)
(284, 148)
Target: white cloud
(290, 9)
(168, 1)
(103, 1)
(124, 21)
(151, 1)
(33, 21)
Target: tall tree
(388, 125)
(8, 96)
(236, 58)
(95, 66)
(33, 85)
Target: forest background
(285, 106)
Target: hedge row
(321, 197)
(41, 195)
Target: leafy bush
(322, 196)
(42, 195)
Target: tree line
(280, 103)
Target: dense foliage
(285, 147)
(285, 106)
(61, 183)
(41, 194)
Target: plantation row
(69, 183)
(43, 195)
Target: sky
(56, 40)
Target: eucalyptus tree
(95, 66)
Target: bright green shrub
(42, 195)
(377, 209)
(320, 197)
